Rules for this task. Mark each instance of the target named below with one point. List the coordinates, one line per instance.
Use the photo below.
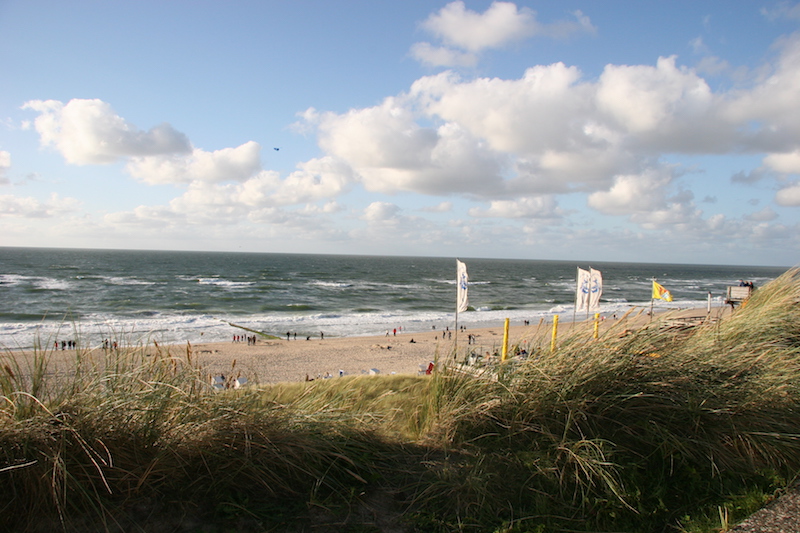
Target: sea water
(48, 295)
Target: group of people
(251, 341)
(65, 345)
(72, 345)
(289, 335)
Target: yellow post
(505, 342)
(555, 332)
(596, 324)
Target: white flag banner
(595, 289)
(582, 291)
(462, 301)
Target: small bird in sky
(276, 149)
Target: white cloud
(466, 33)
(524, 115)
(642, 98)
(382, 212)
(227, 164)
(5, 164)
(552, 132)
(542, 207)
(327, 208)
(500, 24)
(764, 215)
(90, 132)
(440, 56)
(158, 218)
(788, 163)
(391, 153)
(210, 202)
(633, 194)
(789, 196)
(768, 111)
(317, 179)
(684, 216)
(29, 207)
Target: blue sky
(588, 131)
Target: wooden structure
(738, 294)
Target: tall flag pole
(462, 299)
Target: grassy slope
(654, 431)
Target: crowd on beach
(251, 341)
(73, 345)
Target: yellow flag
(660, 293)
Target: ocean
(137, 297)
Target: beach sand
(274, 361)
(282, 360)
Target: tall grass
(647, 422)
(134, 427)
(651, 430)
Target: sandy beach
(281, 360)
(274, 361)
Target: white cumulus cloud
(383, 212)
(789, 196)
(500, 24)
(89, 132)
(632, 194)
(30, 207)
(542, 207)
(390, 152)
(642, 98)
(788, 163)
(227, 164)
(466, 33)
(441, 56)
(5, 164)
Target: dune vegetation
(657, 429)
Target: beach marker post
(555, 333)
(596, 324)
(505, 342)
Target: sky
(584, 130)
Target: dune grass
(651, 430)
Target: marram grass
(650, 430)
